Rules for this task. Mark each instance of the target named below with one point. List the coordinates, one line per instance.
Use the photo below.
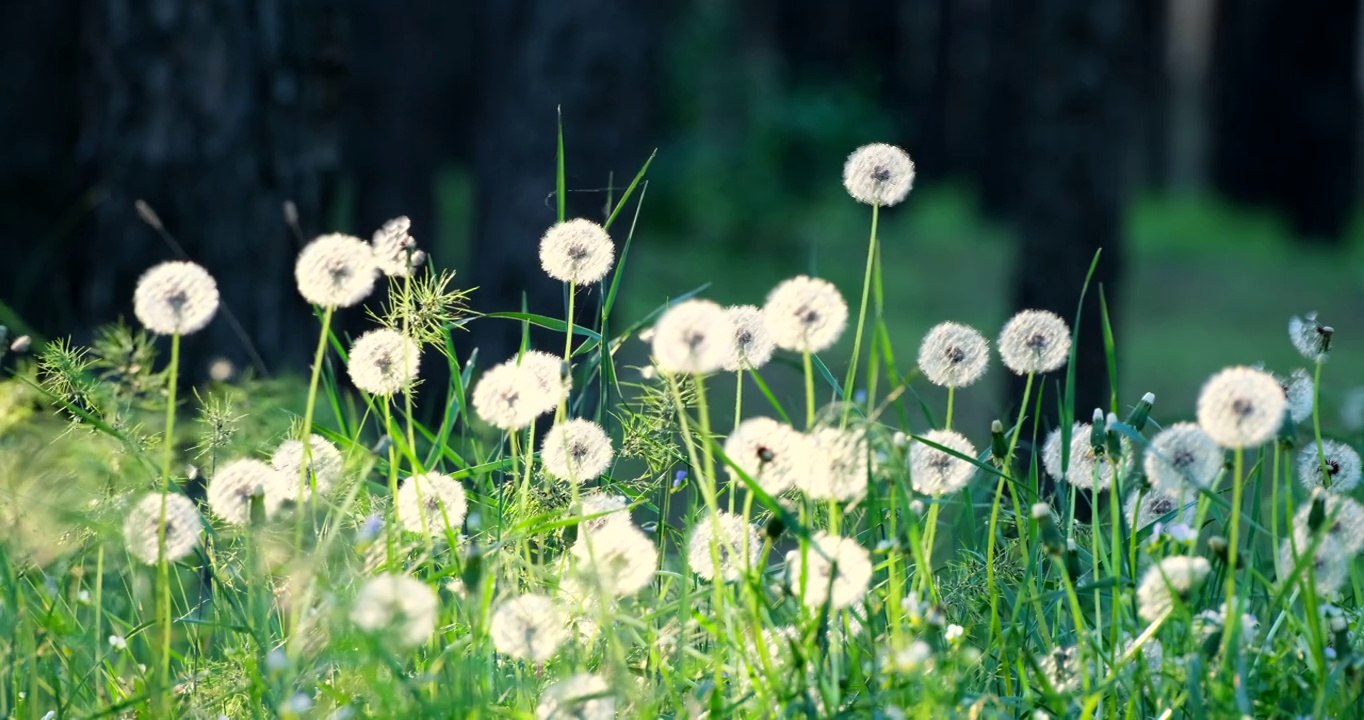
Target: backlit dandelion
(836, 465)
(1091, 468)
(175, 298)
(878, 174)
(1341, 467)
(599, 509)
(1210, 622)
(326, 466)
(395, 250)
(1052, 447)
(1299, 389)
(836, 570)
(549, 373)
(694, 336)
(1034, 341)
(771, 453)
(1311, 339)
(617, 560)
(430, 503)
(576, 251)
(401, 606)
(336, 271)
(954, 355)
(142, 527)
(578, 697)
(805, 314)
(1241, 407)
(731, 538)
(1173, 578)
(1061, 668)
(1155, 505)
(383, 362)
(1183, 457)
(529, 627)
(577, 451)
(1344, 524)
(937, 473)
(232, 486)
(753, 344)
(1330, 566)
(509, 396)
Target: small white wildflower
(1175, 576)
(954, 355)
(576, 450)
(878, 174)
(617, 560)
(954, 633)
(118, 642)
(1183, 457)
(805, 314)
(577, 697)
(938, 473)
(336, 271)
(326, 466)
(753, 344)
(175, 298)
(529, 627)
(384, 362)
(1241, 407)
(1311, 339)
(1299, 389)
(577, 251)
(837, 465)
(142, 528)
(232, 486)
(694, 336)
(1342, 467)
(837, 570)
(395, 251)
(771, 453)
(431, 502)
(735, 542)
(509, 396)
(1034, 341)
(401, 604)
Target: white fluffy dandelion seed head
(384, 362)
(400, 605)
(175, 298)
(695, 336)
(577, 451)
(1034, 341)
(142, 527)
(805, 314)
(606, 508)
(1330, 566)
(327, 464)
(549, 373)
(1344, 525)
(617, 560)
(1092, 469)
(836, 570)
(1183, 457)
(1212, 621)
(1241, 407)
(954, 355)
(937, 473)
(577, 251)
(1299, 390)
(431, 502)
(395, 250)
(231, 487)
(1310, 338)
(878, 174)
(336, 271)
(771, 453)
(753, 344)
(1051, 450)
(578, 697)
(727, 535)
(836, 465)
(1342, 467)
(529, 627)
(1155, 505)
(509, 396)
(1173, 577)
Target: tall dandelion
(1300, 390)
(954, 355)
(1142, 509)
(1183, 457)
(142, 528)
(383, 362)
(577, 451)
(753, 344)
(550, 372)
(1310, 338)
(175, 298)
(617, 560)
(395, 250)
(937, 473)
(805, 314)
(325, 467)
(878, 174)
(695, 336)
(730, 537)
(771, 453)
(578, 697)
(1336, 467)
(234, 484)
(529, 627)
(509, 396)
(431, 502)
(1034, 341)
(576, 251)
(336, 271)
(401, 606)
(837, 465)
(838, 571)
(1241, 407)
(1173, 578)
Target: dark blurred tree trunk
(215, 113)
(1188, 54)
(1284, 113)
(1001, 171)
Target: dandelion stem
(951, 400)
(562, 413)
(162, 565)
(862, 310)
(1237, 490)
(809, 392)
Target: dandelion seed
(1183, 457)
(577, 451)
(695, 336)
(1342, 467)
(142, 527)
(733, 540)
(1034, 341)
(617, 560)
(529, 627)
(395, 250)
(402, 605)
(509, 396)
(878, 174)
(1311, 339)
(175, 298)
(770, 453)
(1241, 407)
(954, 355)
(383, 362)
(1174, 577)
(549, 373)
(753, 344)
(1298, 389)
(232, 487)
(325, 468)
(430, 503)
(336, 271)
(937, 473)
(578, 697)
(837, 570)
(836, 467)
(576, 251)
(1156, 504)
(805, 314)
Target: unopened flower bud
(998, 447)
(21, 344)
(1142, 412)
(1098, 434)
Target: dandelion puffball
(232, 486)
(770, 453)
(430, 503)
(954, 355)
(617, 559)
(937, 473)
(529, 627)
(1034, 341)
(384, 362)
(694, 336)
(509, 396)
(835, 569)
(142, 527)
(175, 298)
(1241, 407)
(326, 466)
(1299, 389)
(576, 251)
(1310, 338)
(395, 251)
(728, 537)
(836, 465)
(1341, 467)
(752, 342)
(878, 174)
(577, 697)
(550, 374)
(576, 450)
(1175, 577)
(336, 271)
(1155, 504)
(402, 605)
(1183, 457)
(805, 314)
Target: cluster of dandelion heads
(529, 627)
(578, 697)
(616, 560)
(551, 373)
(402, 607)
(1034, 341)
(430, 503)
(753, 344)
(837, 465)
(142, 527)
(1336, 468)
(1183, 456)
(954, 355)
(1142, 509)
(234, 484)
(836, 570)
(878, 174)
(695, 337)
(769, 452)
(1241, 407)
(1174, 577)
(175, 298)
(395, 250)
(938, 473)
(1299, 390)
(577, 251)
(384, 362)
(326, 465)
(727, 536)
(576, 450)
(509, 396)
(805, 314)
(1310, 338)
(336, 271)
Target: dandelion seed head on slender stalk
(1299, 390)
(694, 336)
(1310, 338)
(734, 540)
(142, 527)
(753, 344)
(878, 174)
(1091, 468)
(1051, 450)
(937, 473)
(230, 489)
(401, 606)
(383, 362)
(336, 271)
(509, 396)
(327, 463)
(577, 451)
(1034, 341)
(1345, 528)
(577, 251)
(1342, 467)
(771, 453)
(617, 560)
(839, 572)
(609, 508)
(954, 355)
(1174, 577)
(1330, 567)
(529, 627)
(1183, 457)
(549, 371)
(175, 298)
(430, 503)
(805, 314)
(1156, 504)
(836, 466)
(395, 250)
(1241, 407)
(578, 697)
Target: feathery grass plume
(395, 250)
(1174, 577)
(1311, 339)
(616, 560)
(608, 509)
(336, 271)
(837, 465)
(424, 307)
(1241, 407)
(954, 355)
(937, 473)
(142, 527)
(175, 298)
(753, 344)
(773, 454)
(839, 571)
(232, 486)
(578, 697)
(428, 502)
(734, 540)
(878, 174)
(1183, 457)
(1298, 389)
(577, 251)
(1156, 504)
(550, 373)
(805, 314)
(576, 450)
(529, 627)
(402, 606)
(695, 336)
(383, 362)
(509, 396)
(1330, 565)
(1342, 467)
(325, 469)
(1034, 341)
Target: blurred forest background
(1212, 149)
